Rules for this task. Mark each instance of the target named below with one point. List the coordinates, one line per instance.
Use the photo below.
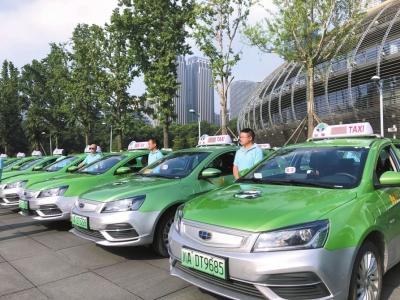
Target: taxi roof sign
(324, 130)
(36, 153)
(21, 154)
(264, 146)
(138, 145)
(206, 140)
(3, 155)
(57, 151)
(98, 150)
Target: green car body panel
(349, 184)
(161, 187)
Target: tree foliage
(11, 135)
(157, 33)
(308, 32)
(219, 22)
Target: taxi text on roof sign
(324, 130)
(4, 156)
(36, 153)
(57, 151)
(214, 140)
(20, 154)
(138, 145)
(264, 146)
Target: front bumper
(49, 208)
(292, 275)
(119, 229)
(10, 197)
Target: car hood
(126, 188)
(61, 181)
(259, 207)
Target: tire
(366, 277)
(160, 241)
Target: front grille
(30, 212)
(231, 285)
(51, 212)
(89, 232)
(12, 197)
(123, 234)
(301, 292)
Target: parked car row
(315, 220)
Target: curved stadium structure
(344, 92)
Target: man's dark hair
(64, 152)
(155, 141)
(250, 132)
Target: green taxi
(52, 199)
(37, 163)
(140, 210)
(315, 220)
(11, 189)
(17, 161)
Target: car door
(390, 196)
(224, 163)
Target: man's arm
(235, 171)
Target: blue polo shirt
(91, 158)
(245, 160)
(1, 167)
(153, 156)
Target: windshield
(30, 164)
(329, 167)
(103, 165)
(58, 165)
(11, 163)
(174, 165)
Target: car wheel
(160, 241)
(366, 277)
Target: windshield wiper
(289, 182)
(157, 175)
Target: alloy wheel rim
(166, 231)
(368, 278)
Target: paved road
(40, 260)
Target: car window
(103, 165)
(385, 162)
(30, 164)
(135, 164)
(335, 167)
(60, 164)
(224, 163)
(175, 165)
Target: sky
(27, 27)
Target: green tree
(83, 84)
(157, 33)
(10, 109)
(218, 23)
(308, 32)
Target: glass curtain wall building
(344, 92)
(239, 91)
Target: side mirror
(72, 169)
(390, 178)
(122, 170)
(210, 173)
(37, 168)
(15, 168)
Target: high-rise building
(239, 91)
(196, 91)
(199, 90)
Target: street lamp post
(379, 83)
(110, 136)
(51, 149)
(198, 115)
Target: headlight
(57, 191)
(2, 186)
(178, 218)
(15, 184)
(127, 204)
(302, 236)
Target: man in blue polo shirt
(154, 154)
(1, 167)
(248, 155)
(92, 156)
